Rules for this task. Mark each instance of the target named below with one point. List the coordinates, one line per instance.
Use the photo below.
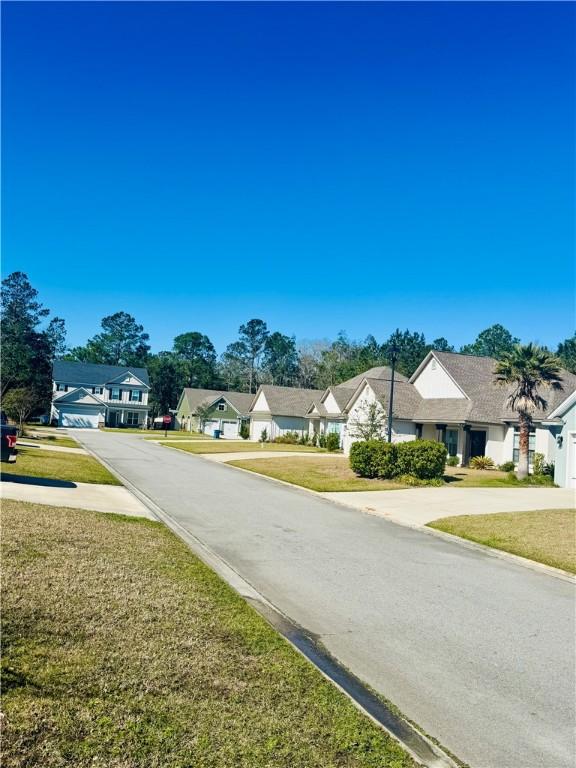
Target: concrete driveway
(477, 650)
(418, 506)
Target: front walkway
(62, 493)
(418, 506)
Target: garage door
(210, 426)
(87, 418)
(230, 429)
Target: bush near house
(452, 461)
(332, 442)
(422, 459)
(288, 438)
(481, 462)
(508, 466)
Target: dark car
(8, 442)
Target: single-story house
(281, 409)
(328, 413)
(454, 399)
(564, 416)
(220, 410)
(90, 395)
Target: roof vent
(433, 366)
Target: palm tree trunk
(524, 446)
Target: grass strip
(547, 536)
(72, 467)
(122, 649)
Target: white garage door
(230, 429)
(210, 426)
(86, 418)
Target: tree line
(30, 342)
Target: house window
(135, 395)
(531, 445)
(451, 441)
(221, 406)
(61, 388)
(115, 393)
(132, 419)
(97, 390)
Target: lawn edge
(266, 609)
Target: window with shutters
(115, 393)
(135, 395)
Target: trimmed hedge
(422, 459)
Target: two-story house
(90, 395)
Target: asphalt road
(477, 650)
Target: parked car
(8, 442)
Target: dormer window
(61, 388)
(433, 364)
(221, 406)
(97, 390)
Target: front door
(112, 418)
(477, 442)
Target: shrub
(332, 441)
(538, 464)
(322, 440)
(363, 457)
(264, 436)
(481, 462)
(452, 461)
(244, 431)
(411, 480)
(289, 438)
(424, 459)
(508, 466)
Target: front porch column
(466, 446)
(442, 429)
(122, 416)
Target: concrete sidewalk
(100, 498)
(418, 506)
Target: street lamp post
(392, 355)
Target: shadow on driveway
(47, 482)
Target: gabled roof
(342, 395)
(288, 401)
(72, 395)
(406, 397)
(487, 399)
(241, 401)
(382, 372)
(93, 374)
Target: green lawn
(333, 473)
(122, 650)
(180, 436)
(234, 446)
(58, 441)
(37, 462)
(324, 474)
(547, 536)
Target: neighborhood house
(89, 395)
(207, 410)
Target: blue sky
(321, 166)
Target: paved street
(477, 650)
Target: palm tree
(526, 368)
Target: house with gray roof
(89, 395)
(454, 399)
(207, 410)
(281, 409)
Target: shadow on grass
(47, 482)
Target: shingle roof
(342, 395)
(93, 374)
(379, 372)
(442, 409)
(289, 401)
(195, 397)
(406, 397)
(475, 375)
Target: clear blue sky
(321, 166)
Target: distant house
(564, 419)
(221, 410)
(281, 409)
(89, 395)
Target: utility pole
(392, 355)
